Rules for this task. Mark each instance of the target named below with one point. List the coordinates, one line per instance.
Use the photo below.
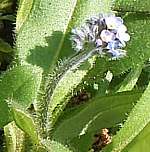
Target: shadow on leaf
(46, 57)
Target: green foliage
(35, 91)
(132, 5)
(130, 80)
(10, 138)
(140, 142)
(20, 85)
(65, 86)
(137, 120)
(24, 9)
(82, 124)
(25, 122)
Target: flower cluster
(106, 33)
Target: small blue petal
(123, 36)
(107, 36)
(113, 22)
(98, 42)
(114, 45)
(118, 53)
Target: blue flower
(106, 33)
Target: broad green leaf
(42, 35)
(5, 47)
(141, 142)
(136, 122)
(94, 115)
(25, 122)
(132, 5)
(21, 84)
(24, 10)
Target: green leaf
(82, 143)
(5, 47)
(41, 38)
(94, 115)
(5, 113)
(141, 142)
(132, 5)
(130, 80)
(137, 120)
(21, 84)
(23, 12)
(25, 122)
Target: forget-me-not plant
(107, 33)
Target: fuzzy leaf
(24, 9)
(141, 142)
(132, 5)
(21, 84)
(25, 122)
(137, 120)
(95, 80)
